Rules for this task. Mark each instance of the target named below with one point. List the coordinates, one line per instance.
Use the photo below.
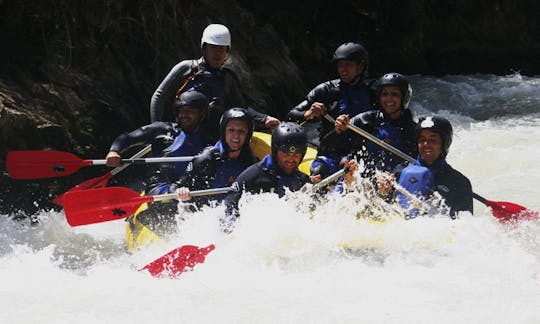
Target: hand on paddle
(350, 166)
(113, 159)
(271, 122)
(317, 109)
(385, 183)
(183, 194)
(342, 123)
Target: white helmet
(216, 34)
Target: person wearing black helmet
(219, 165)
(392, 123)
(183, 138)
(348, 95)
(209, 76)
(274, 173)
(431, 173)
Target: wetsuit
(264, 176)
(422, 181)
(339, 97)
(221, 87)
(167, 139)
(213, 169)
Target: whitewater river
(287, 264)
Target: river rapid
(287, 263)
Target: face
(429, 146)
(236, 134)
(189, 118)
(348, 70)
(391, 100)
(215, 55)
(288, 162)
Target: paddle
(48, 164)
(323, 183)
(502, 210)
(84, 207)
(175, 262)
(101, 181)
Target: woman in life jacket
(219, 165)
(392, 123)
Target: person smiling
(348, 95)
(392, 122)
(210, 76)
(219, 165)
(431, 173)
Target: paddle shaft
(137, 155)
(146, 160)
(195, 193)
(334, 176)
(374, 139)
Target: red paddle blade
(507, 211)
(42, 164)
(93, 183)
(177, 261)
(83, 207)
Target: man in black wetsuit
(275, 173)
(209, 76)
(348, 95)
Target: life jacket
(355, 99)
(210, 82)
(185, 145)
(391, 134)
(227, 170)
(293, 182)
(418, 180)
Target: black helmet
(289, 137)
(439, 125)
(397, 80)
(235, 113)
(192, 98)
(352, 51)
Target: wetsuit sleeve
(163, 97)
(233, 92)
(139, 136)
(317, 94)
(461, 197)
(367, 120)
(201, 171)
(245, 181)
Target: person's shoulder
(457, 176)
(160, 125)
(229, 72)
(185, 65)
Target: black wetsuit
(221, 87)
(264, 176)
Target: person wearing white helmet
(209, 76)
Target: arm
(234, 98)
(247, 180)
(163, 97)
(315, 104)
(139, 136)
(201, 171)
